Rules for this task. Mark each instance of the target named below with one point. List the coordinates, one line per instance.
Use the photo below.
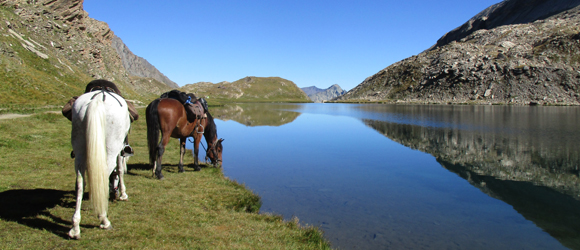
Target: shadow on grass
(30, 207)
(170, 168)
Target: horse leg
(114, 184)
(197, 139)
(181, 152)
(121, 169)
(75, 232)
(160, 151)
(158, 168)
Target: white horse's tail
(97, 156)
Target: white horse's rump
(100, 123)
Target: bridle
(213, 148)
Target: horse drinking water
(170, 117)
(100, 124)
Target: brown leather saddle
(195, 108)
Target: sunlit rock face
(509, 62)
(321, 95)
(506, 13)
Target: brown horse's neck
(211, 141)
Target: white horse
(100, 124)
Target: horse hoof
(160, 177)
(74, 235)
(181, 171)
(110, 227)
(196, 169)
(124, 197)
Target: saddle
(99, 85)
(194, 108)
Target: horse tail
(96, 162)
(153, 127)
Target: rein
(207, 149)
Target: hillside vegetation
(50, 50)
(249, 89)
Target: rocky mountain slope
(138, 66)
(321, 95)
(50, 50)
(311, 90)
(506, 13)
(527, 63)
(249, 89)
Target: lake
(412, 176)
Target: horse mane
(178, 95)
(210, 128)
(193, 97)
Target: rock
(487, 93)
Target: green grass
(191, 210)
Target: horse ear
(221, 140)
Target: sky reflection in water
(366, 191)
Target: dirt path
(12, 116)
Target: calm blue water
(412, 177)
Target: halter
(104, 90)
(213, 148)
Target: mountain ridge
(322, 95)
(250, 89)
(529, 63)
(138, 66)
(505, 13)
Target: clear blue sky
(310, 42)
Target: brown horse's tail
(153, 128)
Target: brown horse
(169, 116)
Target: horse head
(214, 152)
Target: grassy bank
(193, 210)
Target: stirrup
(127, 151)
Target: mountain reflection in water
(253, 115)
(528, 163)
(533, 144)
(400, 188)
